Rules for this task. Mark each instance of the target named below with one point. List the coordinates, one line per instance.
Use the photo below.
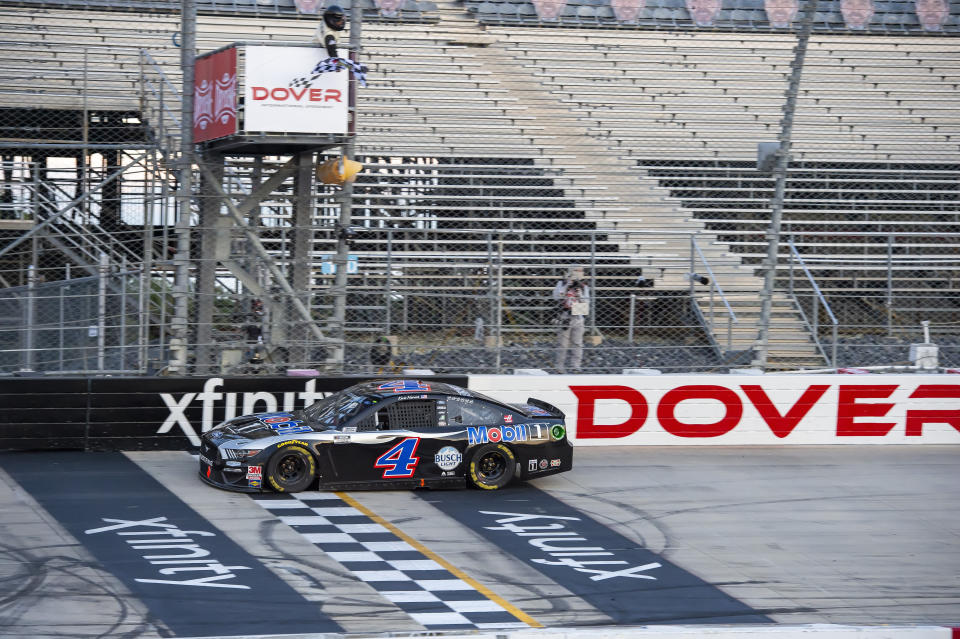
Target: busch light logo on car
(448, 458)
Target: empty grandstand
(502, 142)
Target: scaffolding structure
(127, 248)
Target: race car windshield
(335, 410)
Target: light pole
(181, 284)
(339, 319)
(780, 171)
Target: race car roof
(384, 389)
(392, 387)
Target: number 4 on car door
(401, 460)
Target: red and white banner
(743, 410)
(272, 105)
(215, 96)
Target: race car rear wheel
(492, 466)
(291, 469)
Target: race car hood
(260, 425)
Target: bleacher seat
(587, 15)
(507, 12)
(605, 13)
(634, 92)
(894, 15)
(824, 203)
(663, 14)
(488, 10)
(526, 12)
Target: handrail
(820, 299)
(69, 205)
(173, 115)
(806, 271)
(84, 230)
(20, 206)
(899, 259)
(713, 278)
(879, 233)
(714, 285)
(273, 43)
(160, 72)
(150, 91)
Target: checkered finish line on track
(432, 595)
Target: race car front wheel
(291, 469)
(492, 466)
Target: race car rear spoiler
(550, 408)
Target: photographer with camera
(573, 297)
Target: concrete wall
(605, 410)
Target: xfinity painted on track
(389, 434)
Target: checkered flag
(328, 66)
(304, 81)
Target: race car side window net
(371, 420)
(367, 423)
(421, 413)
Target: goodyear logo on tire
(494, 434)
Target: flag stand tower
(246, 108)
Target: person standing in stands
(573, 296)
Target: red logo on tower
(215, 96)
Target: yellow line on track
(479, 587)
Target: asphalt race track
(111, 544)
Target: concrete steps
(790, 344)
(636, 197)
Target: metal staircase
(791, 345)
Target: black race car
(389, 434)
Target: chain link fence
(446, 316)
(494, 161)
